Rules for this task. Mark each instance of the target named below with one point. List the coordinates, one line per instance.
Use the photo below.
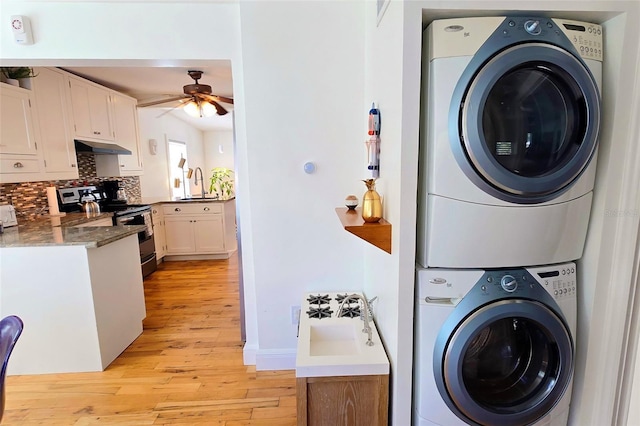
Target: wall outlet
(295, 314)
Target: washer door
(528, 123)
(508, 363)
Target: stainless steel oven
(140, 215)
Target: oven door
(138, 218)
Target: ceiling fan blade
(170, 109)
(216, 98)
(213, 100)
(161, 101)
(223, 99)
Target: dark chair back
(10, 330)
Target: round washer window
(534, 119)
(510, 362)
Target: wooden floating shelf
(378, 234)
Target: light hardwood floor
(186, 367)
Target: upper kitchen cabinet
(52, 100)
(18, 148)
(91, 109)
(17, 132)
(125, 119)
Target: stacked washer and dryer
(509, 135)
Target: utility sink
(333, 339)
(332, 346)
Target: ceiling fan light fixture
(192, 109)
(198, 109)
(208, 109)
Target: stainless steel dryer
(494, 347)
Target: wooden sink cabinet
(343, 400)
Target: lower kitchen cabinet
(343, 400)
(158, 231)
(194, 234)
(199, 228)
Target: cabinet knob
(177, 209)
(73, 165)
(206, 209)
(96, 133)
(18, 165)
(121, 165)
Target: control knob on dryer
(509, 283)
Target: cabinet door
(209, 234)
(158, 231)
(125, 116)
(91, 106)
(17, 133)
(179, 234)
(54, 121)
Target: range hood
(100, 148)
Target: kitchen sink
(198, 199)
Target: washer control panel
(586, 37)
(560, 283)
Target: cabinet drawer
(192, 208)
(12, 165)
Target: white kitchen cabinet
(158, 231)
(199, 228)
(17, 134)
(19, 156)
(125, 119)
(91, 109)
(54, 123)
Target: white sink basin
(333, 339)
(338, 347)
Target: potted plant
(16, 75)
(221, 183)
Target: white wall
(214, 142)
(155, 180)
(304, 102)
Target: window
(177, 175)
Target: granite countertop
(167, 200)
(62, 231)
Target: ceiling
(153, 83)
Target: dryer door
(508, 363)
(528, 123)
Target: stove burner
(319, 300)
(350, 311)
(341, 297)
(320, 313)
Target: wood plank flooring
(185, 369)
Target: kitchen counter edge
(63, 231)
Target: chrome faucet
(201, 180)
(364, 314)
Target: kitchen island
(77, 288)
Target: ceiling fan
(197, 101)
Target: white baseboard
(249, 354)
(276, 359)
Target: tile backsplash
(30, 198)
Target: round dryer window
(527, 122)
